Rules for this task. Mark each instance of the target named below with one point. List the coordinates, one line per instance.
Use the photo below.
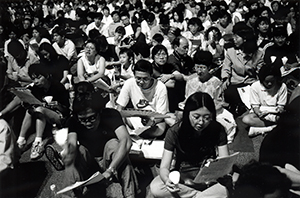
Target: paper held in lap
(96, 177)
(218, 168)
(26, 96)
(142, 113)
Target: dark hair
(141, 48)
(143, 66)
(157, 49)
(17, 50)
(150, 17)
(247, 33)
(195, 101)
(270, 70)
(223, 13)
(120, 30)
(203, 57)
(98, 15)
(180, 15)
(219, 35)
(60, 31)
(101, 44)
(164, 19)
(39, 69)
(124, 13)
(127, 51)
(48, 48)
(196, 21)
(115, 12)
(43, 32)
(158, 37)
(257, 179)
(106, 8)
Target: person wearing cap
(97, 141)
(241, 65)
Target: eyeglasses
(90, 119)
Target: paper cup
(61, 136)
(174, 176)
(48, 99)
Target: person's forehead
(141, 74)
(183, 42)
(86, 113)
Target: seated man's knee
(247, 119)
(156, 187)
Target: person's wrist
(111, 170)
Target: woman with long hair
(188, 144)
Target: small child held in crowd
(204, 81)
(268, 96)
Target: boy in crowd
(145, 93)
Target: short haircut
(127, 51)
(158, 37)
(124, 13)
(204, 58)
(60, 31)
(176, 41)
(157, 49)
(115, 12)
(120, 30)
(143, 66)
(106, 8)
(141, 48)
(37, 69)
(196, 21)
(270, 70)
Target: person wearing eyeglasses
(145, 93)
(97, 141)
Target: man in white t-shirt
(145, 93)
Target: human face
(97, 21)
(118, 36)
(116, 18)
(89, 119)
(279, 40)
(35, 34)
(124, 59)
(176, 17)
(275, 7)
(143, 79)
(200, 118)
(193, 28)
(232, 7)
(39, 80)
(183, 47)
(161, 57)
(45, 54)
(202, 17)
(57, 38)
(238, 41)
(263, 27)
(202, 71)
(125, 20)
(224, 21)
(269, 82)
(264, 13)
(26, 24)
(90, 49)
(106, 12)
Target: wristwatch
(112, 170)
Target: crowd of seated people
(192, 62)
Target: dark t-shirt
(110, 120)
(59, 93)
(191, 147)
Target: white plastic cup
(61, 136)
(48, 99)
(174, 176)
